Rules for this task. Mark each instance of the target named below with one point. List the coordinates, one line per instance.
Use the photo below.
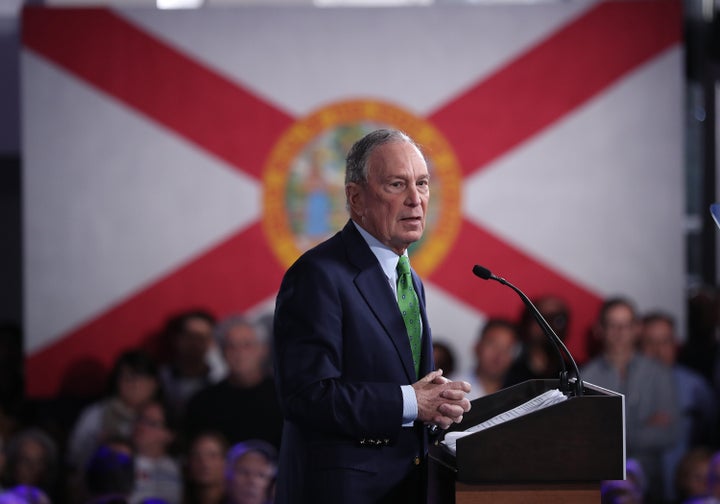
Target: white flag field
(176, 160)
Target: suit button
(416, 461)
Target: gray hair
(224, 327)
(356, 169)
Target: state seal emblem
(304, 180)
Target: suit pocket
(345, 456)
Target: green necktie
(410, 309)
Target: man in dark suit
(355, 382)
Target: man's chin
(413, 236)
(410, 238)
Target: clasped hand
(441, 402)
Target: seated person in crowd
(696, 399)
(109, 475)
(157, 474)
(691, 475)
(31, 459)
(496, 349)
(538, 357)
(191, 367)
(651, 408)
(133, 382)
(205, 469)
(250, 473)
(444, 358)
(244, 405)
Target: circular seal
(304, 180)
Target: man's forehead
(242, 330)
(620, 311)
(659, 327)
(395, 155)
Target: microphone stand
(557, 343)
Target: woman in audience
(205, 469)
(157, 474)
(133, 382)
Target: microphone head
(483, 273)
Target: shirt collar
(387, 258)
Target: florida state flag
(184, 159)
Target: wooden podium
(555, 455)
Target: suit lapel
(373, 287)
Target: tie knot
(403, 265)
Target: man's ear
(354, 195)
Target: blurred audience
(109, 474)
(244, 405)
(620, 492)
(205, 469)
(691, 474)
(538, 358)
(24, 494)
(651, 407)
(444, 357)
(31, 459)
(696, 399)
(157, 474)
(193, 364)
(713, 481)
(497, 347)
(631, 490)
(133, 382)
(250, 472)
(141, 444)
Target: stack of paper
(542, 401)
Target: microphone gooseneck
(557, 343)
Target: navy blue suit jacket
(341, 353)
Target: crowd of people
(200, 423)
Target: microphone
(557, 343)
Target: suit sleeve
(316, 389)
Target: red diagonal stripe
(149, 75)
(555, 76)
(531, 276)
(219, 280)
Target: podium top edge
(600, 389)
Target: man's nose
(413, 195)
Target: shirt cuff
(410, 405)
